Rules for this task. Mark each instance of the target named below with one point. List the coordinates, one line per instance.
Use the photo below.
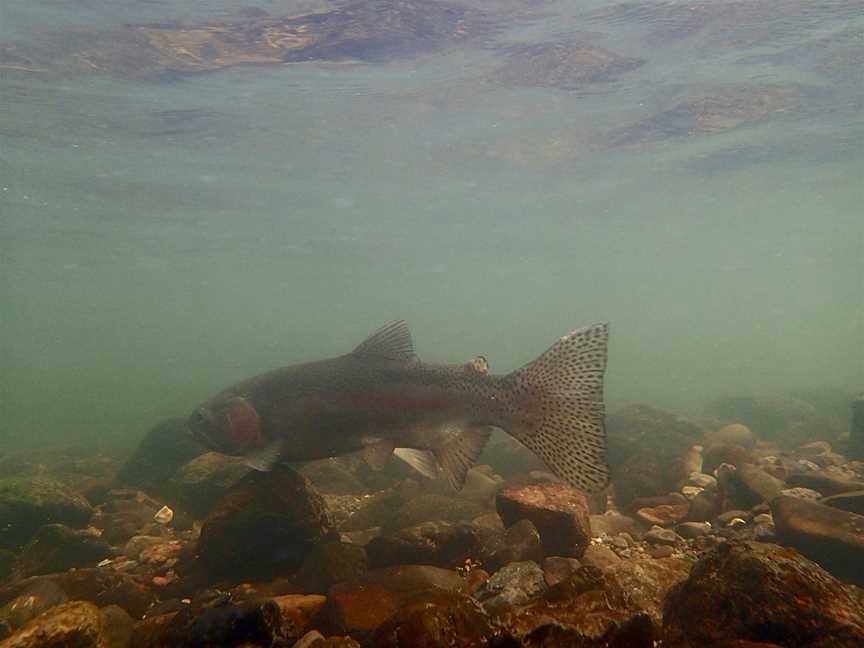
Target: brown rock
(98, 586)
(824, 483)
(761, 592)
(435, 618)
(559, 511)
(443, 544)
(733, 455)
(852, 501)
(829, 536)
(754, 486)
(664, 515)
(71, 625)
(298, 611)
(358, 607)
(600, 556)
(557, 569)
(330, 563)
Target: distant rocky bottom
(744, 527)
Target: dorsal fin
(392, 342)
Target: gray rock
(660, 536)
(26, 504)
(56, 548)
(513, 584)
(690, 530)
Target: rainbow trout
(382, 401)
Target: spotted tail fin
(565, 426)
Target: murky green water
(164, 237)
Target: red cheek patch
(244, 422)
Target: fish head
(227, 424)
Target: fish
(382, 401)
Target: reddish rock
(298, 611)
(754, 486)
(665, 515)
(761, 592)
(831, 537)
(358, 607)
(443, 544)
(435, 618)
(559, 511)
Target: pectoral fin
(457, 454)
(378, 454)
(263, 458)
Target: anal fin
(457, 454)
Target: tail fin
(566, 429)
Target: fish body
(381, 400)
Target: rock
(663, 514)
(702, 480)
(660, 536)
(429, 506)
(661, 551)
(824, 483)
(26, 504)
(267, 523)
(510, 458)
(199, 484)
(56, 548)
(802, 493)
(125, 514)
(725, 518)
(98, 586)
(754, 486)
(557, 569)
(592, 605)
(519, 543)
(30, 603)
(828, 536)
(635, 632)
(852, 501)
(117, 627)
(690, 530)
(358, 607)
(690, 492)
(444, 544)
(703, 507)
(612, 523)
(299, 611)
(717, 455)
(599, 556)
(559, 511)
(513, 584)
(7, 560)
(648, 451)
(435, 618)
(734, 434)
(72, 625)
(761, 592)
(225, 624)
(331, 563)
(163, 450)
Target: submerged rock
(127, 513)
(33, 600)
(648, 451)
(331, 563)
(852, 501)
(761, 592)
(199, 484)
(358, 607)
(71, 625)
(435, 618)
(512, 585)
(56, 548)
(28, 503)
(267, 523)
(256, 623)
(829, 536)
(557, 510)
